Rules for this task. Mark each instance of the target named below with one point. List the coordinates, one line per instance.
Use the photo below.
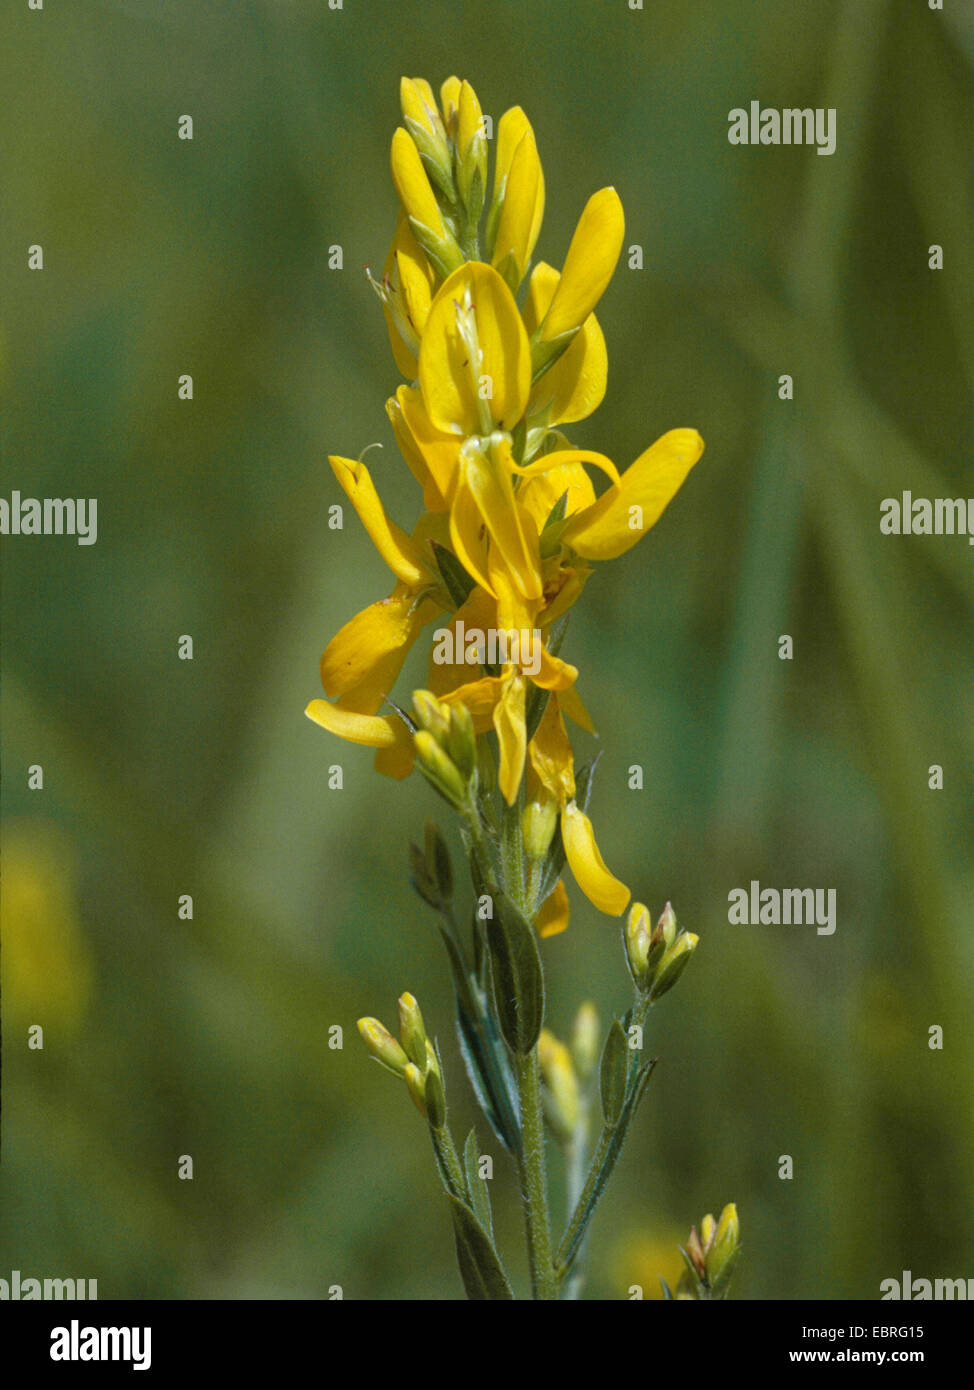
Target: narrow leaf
(456, 579)
(614, 1073)
(517, 973)
(480, 1267)
(476, 1185)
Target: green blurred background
(209, 1037)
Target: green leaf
(614, 1074)
(517, 973)
(438, 864)
(456, 579)
(476, 1186)
(667, 1292)
(480, 1267)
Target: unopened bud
(416, 1086)
(411, 1030)
(585, 1041)
(638, 942)
(695, 1251)
(708, 1229)
(435, 1094)
(439, 769)
(383, 1045)
(422, 119)
(723, 1254)
(667, 924)
(431, 715)
(674, 962)
(461, 740)
(539, 821)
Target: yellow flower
(574, 387)
(47, 968)
(406, 292)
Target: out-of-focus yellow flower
(47, 968)
(642, 1260)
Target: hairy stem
(534, 1178)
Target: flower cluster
(512, 523)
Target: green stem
(534, 1178)
(448, 1161)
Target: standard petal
(626, 511)
(588, 267)
(462, 392)
(396, 548)
(602, 888)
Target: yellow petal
(450, 100)
(555, 912)
(538, 494)
(571, 703)
(511, 736)
(361, 662)
(412, 185)
(551, 755)
(588, 866)
(375, 731)
(396, 760)
(469, 117)
(419, 104)
(627, 510)
(575, 386)
(438, 451)
(589, 264)
(396, 548)
(523, 209)
(488, 478)
(560, 457)
(433, 499)
(468, 535)
(480, 697)
(461, 395)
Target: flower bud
(471, 148)
(422, 119)
(416, 1086)
(383, 1045)
(638, 941)
(411, 1031)
(561, 1101)
(585, 1041)
(439, 771)
(431, 715)
(667, 924)
(461, 740)
(724, 1253)
(539, 821)
(695, 1251)
(708, 1229)
(435, 1094)
(673, 964)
